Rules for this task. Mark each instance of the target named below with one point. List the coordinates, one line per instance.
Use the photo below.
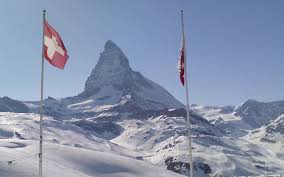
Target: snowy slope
(71, 161)
(161, 140)
(224, 118)
(271, 133)
(211, 113)
(69, 151)
(145, 148)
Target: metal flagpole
(41, 99)
(187, 102)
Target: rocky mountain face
(257, 113)
(9, 105)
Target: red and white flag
(181, 62)
(54, 50)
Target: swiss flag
(54, 50)
(181, 62)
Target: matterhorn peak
(110, 45)
(112, 80)
(112, 64)
(113, 56)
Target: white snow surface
(140, 150)
(61, 160)
(68, 151)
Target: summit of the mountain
(111, 68)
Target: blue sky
(235, 48)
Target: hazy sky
(235, 48)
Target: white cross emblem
(52, 46)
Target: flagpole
(187, 101)
(41, 99)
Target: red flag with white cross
(54, 50)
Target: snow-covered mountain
(256, 128)
(272, 132)
(153, 144)
(237, 121)
(123, 118)
(256, 113)
(9, 105)
(112, 81)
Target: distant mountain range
(136, 118)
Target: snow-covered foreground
(61, 160)
(145, 148)
(68, 151)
